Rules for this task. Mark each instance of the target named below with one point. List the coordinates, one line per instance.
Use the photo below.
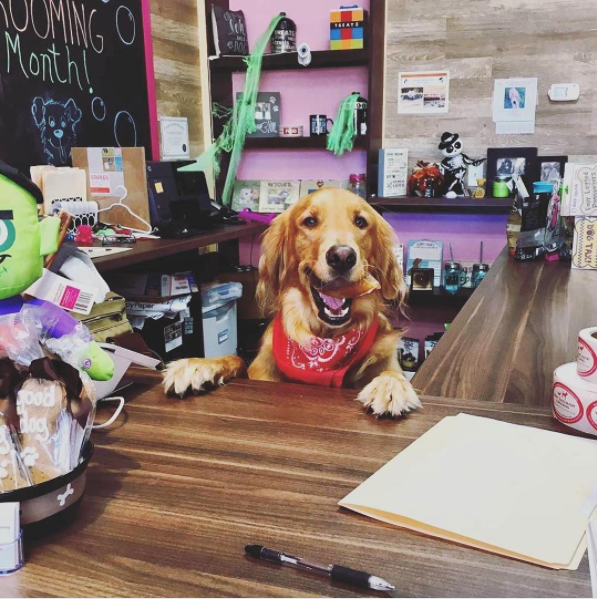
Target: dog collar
(323, 362)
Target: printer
(179, 203)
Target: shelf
(439, 298)
(147, 250)
(295, 143)
(445, 205)
(321, 59)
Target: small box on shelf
(347, 28)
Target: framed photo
(508, 162)
(551, 168)
(421, 279)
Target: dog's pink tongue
(333, 303)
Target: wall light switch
(564, 92)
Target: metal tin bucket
(51, 498)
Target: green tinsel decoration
(242, 121)
(341, 139)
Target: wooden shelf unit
(320, 59)
(439, 297)
(444, 205)
(295, 143)
(372, 57)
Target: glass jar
(454, 276)
(358, 185)
(479, 272)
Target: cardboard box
(153, 285)
(347, 28)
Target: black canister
(284, 36)
(361, 116)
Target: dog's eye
(360, 222)
(458, 145)
(51, 122)
(310, 222)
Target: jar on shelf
(361, 116)
(358, 184)
(284, 36)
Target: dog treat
(44, 426)
(11, 474)
(362, 287)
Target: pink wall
(464, 231)
(303, 93)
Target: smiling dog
(327, 277)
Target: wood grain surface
(482, 41)
(519, 325)
(149, 250)
(175, 37)
(178, 487)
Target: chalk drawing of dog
(56, 122)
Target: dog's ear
(72, 112)
(393, 287)
(38, 110)
(273, 264)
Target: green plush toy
(24, 241)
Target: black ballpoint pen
(338, 573)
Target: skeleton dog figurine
(453, 166)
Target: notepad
(509, 489)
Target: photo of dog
(328, 278)
(56, 123)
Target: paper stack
(513, 490)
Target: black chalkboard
(72, 73)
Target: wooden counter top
(519, 325)
(177, 488)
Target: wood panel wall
(483, 40)
(176, 60)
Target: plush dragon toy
(24, 241)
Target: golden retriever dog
(328, 277)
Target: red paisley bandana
(324, 362)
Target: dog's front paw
(199, 374)
(389, 393)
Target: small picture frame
(421, 280)
(551, 168)
(508, 162)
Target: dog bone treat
(41, 406)
(362, 287)
(11, 475)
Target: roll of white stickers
(586, 361)
(574, 399)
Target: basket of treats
(46, 415)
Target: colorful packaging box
(347, 28)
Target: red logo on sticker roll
(586, 359)
(566, 405)
(591, 413)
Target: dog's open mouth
(333, 311)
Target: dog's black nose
(341, 258)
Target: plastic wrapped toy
(24, 241)
(426, 180)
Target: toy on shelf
(453, 166)
(426, 180)
(480, 191)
